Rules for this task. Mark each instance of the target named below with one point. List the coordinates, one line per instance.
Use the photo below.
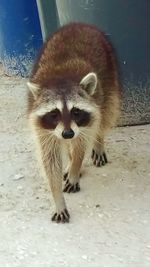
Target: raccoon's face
(66, 112)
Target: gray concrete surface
(110, 217)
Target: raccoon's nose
(67, 134)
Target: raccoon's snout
(68, 134)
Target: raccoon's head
(65, 109)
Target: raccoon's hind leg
(73, 176)
(98, 153)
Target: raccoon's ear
(34, 88)
(89, 83)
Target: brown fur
(70, 54)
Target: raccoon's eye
(76, 112)
(54, 113)
(50, 119)
(81, 117)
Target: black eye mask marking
(50, 119)
(81, 117)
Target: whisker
(92, 137)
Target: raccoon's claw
(62, 217)
(66, 176)
(99, 159)
(71, 188)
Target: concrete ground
(110, 216)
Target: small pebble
(84, 257)
(100, 215)
(19, 187)
(18, 177)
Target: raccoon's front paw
(99, 159)
(66, 176)
(71, 188)
(61, 217)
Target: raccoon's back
(76, 48)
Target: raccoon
(73, 100)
